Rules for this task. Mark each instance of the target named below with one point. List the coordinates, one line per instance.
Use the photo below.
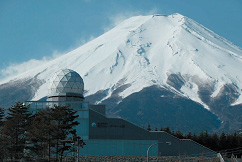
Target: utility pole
(77, 151)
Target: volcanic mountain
(166, 70)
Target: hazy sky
(42, 29)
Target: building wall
(98, 108)
(96, 147)
(101, 127)
(195, 149)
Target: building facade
(111, 136)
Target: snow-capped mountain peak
(150, 50)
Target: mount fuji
(166, 70)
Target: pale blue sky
(32, 29)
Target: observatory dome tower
(66, 85)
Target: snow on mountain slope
(143, 51)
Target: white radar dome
(66, 82)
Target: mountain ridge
(171, 52)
